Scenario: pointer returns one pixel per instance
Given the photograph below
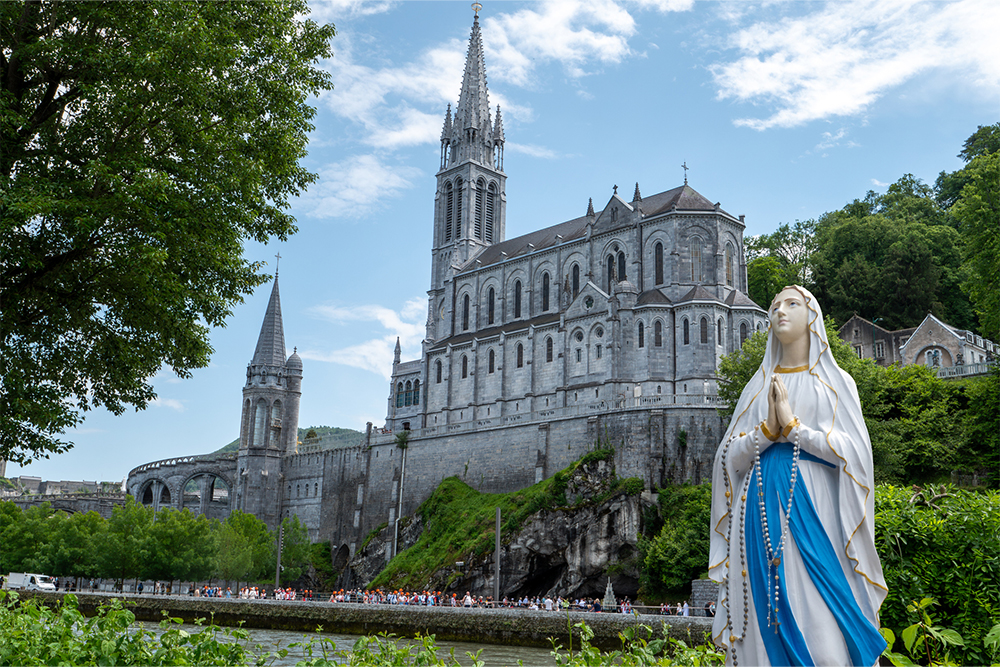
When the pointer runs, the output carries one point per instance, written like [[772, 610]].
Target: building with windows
[[636, 300], [934, 343]]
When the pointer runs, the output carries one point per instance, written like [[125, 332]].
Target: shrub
[[945, 547]]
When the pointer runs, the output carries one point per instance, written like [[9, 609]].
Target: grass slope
[[342, 437], [459, 522]]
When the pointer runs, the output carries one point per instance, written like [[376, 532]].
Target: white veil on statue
[[831, 406]]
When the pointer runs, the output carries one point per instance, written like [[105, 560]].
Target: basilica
[[634, 300]]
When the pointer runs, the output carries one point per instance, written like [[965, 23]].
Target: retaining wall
[[486, 626]]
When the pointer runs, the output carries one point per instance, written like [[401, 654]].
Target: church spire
[[271, 342], [471, 136]]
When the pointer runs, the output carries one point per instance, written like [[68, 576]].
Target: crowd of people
[[414, 598]]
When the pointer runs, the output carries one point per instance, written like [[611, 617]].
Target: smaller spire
[[498, 128], [446, 130], [590, 208], [637, 196], [396, 355]]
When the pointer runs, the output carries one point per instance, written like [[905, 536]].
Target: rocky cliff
[[588, 532]]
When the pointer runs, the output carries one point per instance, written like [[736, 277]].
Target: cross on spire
[[685, 168], [277, 261]]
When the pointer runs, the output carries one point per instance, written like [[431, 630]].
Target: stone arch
[[206, 492]]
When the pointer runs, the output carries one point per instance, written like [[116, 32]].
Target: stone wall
[[487, 626]]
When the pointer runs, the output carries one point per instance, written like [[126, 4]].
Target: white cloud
[[840, 59], [574, 33], [531, 150], [356, 187], [879, 183], [171, 403], [329, 11], [375, 354]]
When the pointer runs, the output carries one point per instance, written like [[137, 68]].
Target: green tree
[[70, 547], [181, 545], [978, 213], [141, 146], [295, 553], [984, 141], [246, 548], [894, 256], [124, 552], [765, 278]]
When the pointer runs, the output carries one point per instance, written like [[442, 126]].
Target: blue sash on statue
[[787, 646]]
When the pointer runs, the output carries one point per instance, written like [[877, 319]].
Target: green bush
[[678, 553], [946, 548]]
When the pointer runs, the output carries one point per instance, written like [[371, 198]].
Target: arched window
[[642, 335], [449, 207], [259, 424], [576, 280], [399, 395], [743, 332], [491, 297], [408, 394], [491, 199], [438, 371], [621, 267], [492, 362], [611, 272], [696, 259], [718, 338], [658, 263], [458, 208], [520, 355], [704, 330], [465, 366], [480, 195], [687, 332], [517, 299], [658, 333], [545, 292], [416, 392], [548, 349], [465, 313], [729, 265]]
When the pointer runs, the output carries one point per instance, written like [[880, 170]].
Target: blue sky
[[781, 110]]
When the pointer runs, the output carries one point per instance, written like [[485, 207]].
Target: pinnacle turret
[[637, 196], [446, 130], [498, 127], [590, 208]]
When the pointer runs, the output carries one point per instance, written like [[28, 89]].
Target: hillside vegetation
[[339, 437]]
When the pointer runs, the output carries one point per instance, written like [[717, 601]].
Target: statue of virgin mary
[[793, 544]]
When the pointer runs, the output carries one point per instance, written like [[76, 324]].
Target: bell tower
[[470, 203], [270, 424]]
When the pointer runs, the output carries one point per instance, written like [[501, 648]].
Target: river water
[[493, 655]]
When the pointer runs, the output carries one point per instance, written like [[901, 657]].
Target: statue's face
[[789, 315]]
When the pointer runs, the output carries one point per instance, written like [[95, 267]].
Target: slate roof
[[517, 325], [738, 298], [652, 297], [698, 293], [271, 342], [685, 197], [543, 238]]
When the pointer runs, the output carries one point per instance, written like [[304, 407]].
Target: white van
[[27, 581]]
